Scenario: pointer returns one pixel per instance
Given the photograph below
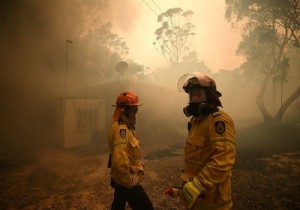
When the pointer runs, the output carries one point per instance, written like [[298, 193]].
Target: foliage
[[105, 39], [173, 39], [281, 72], [134, 70], [105, 49], [102, 48], [270, 29]]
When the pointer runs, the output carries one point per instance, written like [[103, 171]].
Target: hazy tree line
[[271, 33], [270, 39], [98, 48]]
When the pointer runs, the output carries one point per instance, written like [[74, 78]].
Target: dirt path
[[266, 174], [59, 179]]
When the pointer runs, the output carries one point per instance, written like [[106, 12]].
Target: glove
[[173, 192], [136, 179], [191, 191]]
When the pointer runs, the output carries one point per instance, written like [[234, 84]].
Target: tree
[[270, 29], [173, 39], [136, 70], [106, 48]]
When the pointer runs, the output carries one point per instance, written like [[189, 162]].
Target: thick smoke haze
[[33, 38], [59, 82], [33, 56]]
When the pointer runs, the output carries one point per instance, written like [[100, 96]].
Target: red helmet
[[126, 98]]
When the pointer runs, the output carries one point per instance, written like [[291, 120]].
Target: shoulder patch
[[220, 127], [123, 133]]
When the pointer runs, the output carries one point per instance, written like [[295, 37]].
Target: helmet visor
[[183, 80]]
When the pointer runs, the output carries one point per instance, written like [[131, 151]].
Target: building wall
[[84, 119]]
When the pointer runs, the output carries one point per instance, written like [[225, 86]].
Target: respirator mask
[[196, 109], [198, 104]]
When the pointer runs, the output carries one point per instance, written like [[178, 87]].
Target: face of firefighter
[[197, 104], [132, 111], [197, 95]]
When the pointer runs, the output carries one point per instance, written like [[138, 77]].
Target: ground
[[265, 176]]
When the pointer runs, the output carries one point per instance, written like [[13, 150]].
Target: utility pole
[[68, 41]]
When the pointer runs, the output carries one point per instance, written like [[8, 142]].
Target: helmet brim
[[184, 80], [115, 105]]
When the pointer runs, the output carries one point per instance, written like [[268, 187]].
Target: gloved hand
[[191, 191], [173, 192], [136, 179]]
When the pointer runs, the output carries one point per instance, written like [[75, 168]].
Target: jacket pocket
[[194, 146]]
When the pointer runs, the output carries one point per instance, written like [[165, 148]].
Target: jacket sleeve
[[120, 160], [222, 143]]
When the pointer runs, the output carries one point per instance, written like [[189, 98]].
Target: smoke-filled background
[[56, 51], [35, 58], [52, 49]]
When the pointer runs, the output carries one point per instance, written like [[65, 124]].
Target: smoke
[[33, 37], [123, 14], [33, 61]]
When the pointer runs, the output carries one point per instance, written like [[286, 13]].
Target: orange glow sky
[[215, 40]]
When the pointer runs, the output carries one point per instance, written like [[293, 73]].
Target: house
[[78, 121], [86, 118]]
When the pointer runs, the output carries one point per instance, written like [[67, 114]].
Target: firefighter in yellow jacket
[[127, 169], [210, 147]]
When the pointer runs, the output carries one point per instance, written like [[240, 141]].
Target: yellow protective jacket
[[210, 155], [125, 153]]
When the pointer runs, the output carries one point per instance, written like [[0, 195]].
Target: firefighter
[[127, 169], [209, 149]]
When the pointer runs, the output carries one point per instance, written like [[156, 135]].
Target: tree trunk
[[286, 104], [260, 99]]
